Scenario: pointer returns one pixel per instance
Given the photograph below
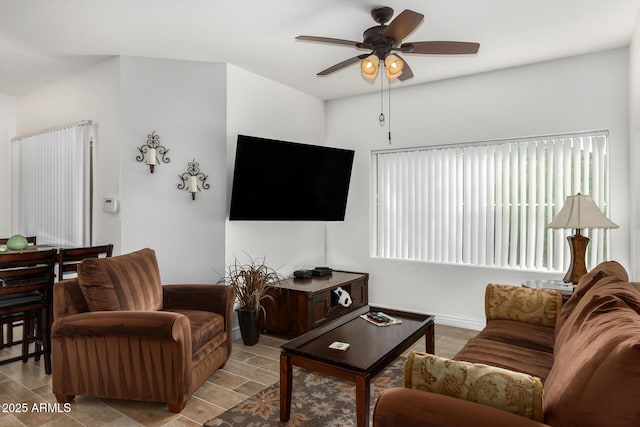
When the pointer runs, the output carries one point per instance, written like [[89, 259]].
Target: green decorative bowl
[[17, 242]]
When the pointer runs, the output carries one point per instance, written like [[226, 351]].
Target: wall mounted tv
[[285, 181]]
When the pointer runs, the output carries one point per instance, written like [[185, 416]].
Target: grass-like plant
[[251, 281]]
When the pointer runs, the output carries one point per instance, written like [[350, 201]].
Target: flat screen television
[[285, 181]]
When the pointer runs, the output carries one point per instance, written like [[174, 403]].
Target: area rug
[[316, 401]]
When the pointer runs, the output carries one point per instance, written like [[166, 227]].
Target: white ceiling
[[44, 40]]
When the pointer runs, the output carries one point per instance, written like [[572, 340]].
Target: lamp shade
[[393, 67], [580, 211], [369, 67]]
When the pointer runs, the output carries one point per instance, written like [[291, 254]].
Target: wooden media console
[[301, 305]]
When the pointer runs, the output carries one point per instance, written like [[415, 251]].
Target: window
[[52, 185], [487, 204]]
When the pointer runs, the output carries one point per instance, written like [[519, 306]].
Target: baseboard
[[441, 319], [459, 322], [235, 333]]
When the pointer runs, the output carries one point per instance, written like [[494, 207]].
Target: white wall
[[634, 150], [93, 94], [127, 98], [7, 131], [261, 107], [185, 103], [569, 95]]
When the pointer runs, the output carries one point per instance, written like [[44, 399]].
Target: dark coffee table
[[372, 348]]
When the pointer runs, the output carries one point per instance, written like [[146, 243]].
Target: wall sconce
[[189, 179], [149, 152]]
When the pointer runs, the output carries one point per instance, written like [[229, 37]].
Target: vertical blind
[[51, 185], [488, 204]]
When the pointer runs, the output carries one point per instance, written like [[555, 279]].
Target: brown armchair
[[118, 333]]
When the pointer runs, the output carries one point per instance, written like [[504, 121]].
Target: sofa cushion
[[520, 334], [510, 391], [595, 377], [125, 282], [535, 306], [205, 326], [520, 359]]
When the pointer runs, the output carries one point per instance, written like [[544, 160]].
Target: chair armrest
[[510, 391], [529, 305], [215, 298], [399, 407], [139, 324], [68, 299], [144, 355]]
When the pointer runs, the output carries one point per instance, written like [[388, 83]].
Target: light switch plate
[[110, 204]]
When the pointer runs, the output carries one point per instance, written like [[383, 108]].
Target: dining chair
[[68, 259], [26, 280], [10, 322], [14, 321]]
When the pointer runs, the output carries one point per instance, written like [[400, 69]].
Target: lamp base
[[578, 246]]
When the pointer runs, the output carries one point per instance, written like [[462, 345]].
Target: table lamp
[[579, 212]]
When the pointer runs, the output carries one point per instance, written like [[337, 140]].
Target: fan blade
[[406, 70], [403, 25], [440, 48], [342, 64], [330, 40]]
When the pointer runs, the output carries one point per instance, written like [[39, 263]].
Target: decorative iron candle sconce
[[190, 179], [150, 151]]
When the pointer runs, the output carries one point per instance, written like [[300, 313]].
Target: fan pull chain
[[389, 104], [381, 117]]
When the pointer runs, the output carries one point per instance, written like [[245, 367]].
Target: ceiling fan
[[385, 40]]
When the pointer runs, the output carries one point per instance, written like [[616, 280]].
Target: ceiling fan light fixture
[[393, 67], [388, 37], [369, 67]]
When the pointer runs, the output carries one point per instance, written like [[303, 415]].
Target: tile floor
[[248, 370]]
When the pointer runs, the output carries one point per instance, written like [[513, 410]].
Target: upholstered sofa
[[118, 333], [535, 363]]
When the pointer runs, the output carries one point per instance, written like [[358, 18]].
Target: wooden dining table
[[29, 248]]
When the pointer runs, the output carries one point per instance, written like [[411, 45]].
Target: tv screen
[[286, 181]]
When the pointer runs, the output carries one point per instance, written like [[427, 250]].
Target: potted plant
[[251, 281]]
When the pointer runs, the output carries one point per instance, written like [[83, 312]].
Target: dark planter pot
[[250, 325]]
